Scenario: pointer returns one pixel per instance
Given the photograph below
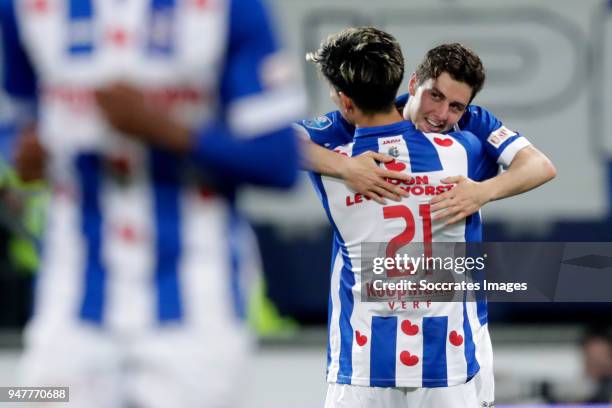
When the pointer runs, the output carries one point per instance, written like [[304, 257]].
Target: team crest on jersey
[[320, 123], [394, 151], [500, 136]]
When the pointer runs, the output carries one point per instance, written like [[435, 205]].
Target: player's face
[[436, 105]]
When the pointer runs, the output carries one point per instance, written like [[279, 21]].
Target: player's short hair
[[460, 62], [364, 63]]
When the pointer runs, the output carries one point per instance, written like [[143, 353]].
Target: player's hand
[[467, 197], [126, 109], [362, 174], [30, 156]]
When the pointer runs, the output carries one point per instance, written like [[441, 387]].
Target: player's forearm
[[267, 160], [321, 160], [529, 169]]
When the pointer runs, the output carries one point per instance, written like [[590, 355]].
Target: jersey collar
[[394, 128]]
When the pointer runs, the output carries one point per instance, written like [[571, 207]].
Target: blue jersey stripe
[[423, 154], [474, 251], [435, 331], [470, 347], [383, 351], [236, 265], [161, 35], [80, 18], [166, 208], [330, 308], [473, 233], [89, 173], [345, 292], [364, 144], [473, 228]]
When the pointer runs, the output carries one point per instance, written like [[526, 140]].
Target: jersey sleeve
[[252, 140], [259, 89], [500, 143], [480, 166], [330, 130]]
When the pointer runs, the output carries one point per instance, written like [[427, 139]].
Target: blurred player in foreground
[[338, 59], [436, 98], [140, 107]]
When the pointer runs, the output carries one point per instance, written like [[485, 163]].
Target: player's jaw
[[426, 116], [429, 124]]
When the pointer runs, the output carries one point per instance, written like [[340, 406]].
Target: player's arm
[[361, 173], [527, 168], [19, 82], [251, 141]]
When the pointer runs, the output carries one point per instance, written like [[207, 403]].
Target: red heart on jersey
[[361, 338], [118, 37], [38, 6], [120, 165], [395, 166], [127, 233], [409, 328], [443, 142], [455, 338], [407, 359]]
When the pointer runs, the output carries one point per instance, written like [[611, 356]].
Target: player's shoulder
[[479, 121], [476, 111], [327, 130], [464, 135], [320, 123], [468, 140]]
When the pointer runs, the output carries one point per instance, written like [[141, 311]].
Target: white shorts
[[354, 396], [168, 367], [485, 379]]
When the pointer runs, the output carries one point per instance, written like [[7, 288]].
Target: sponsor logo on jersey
[[394, 140], [320, 123], [500, 136]]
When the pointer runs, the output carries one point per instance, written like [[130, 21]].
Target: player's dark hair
[[364, 63], [460, 62]]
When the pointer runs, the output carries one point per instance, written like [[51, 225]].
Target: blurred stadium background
[[549, 76]]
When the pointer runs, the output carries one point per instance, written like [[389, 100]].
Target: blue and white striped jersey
[[400, 344], [138, 236]]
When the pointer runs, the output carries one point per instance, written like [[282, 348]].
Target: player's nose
[[441, 113]]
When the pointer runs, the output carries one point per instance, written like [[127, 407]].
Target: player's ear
[[412, 84], [347, 103]]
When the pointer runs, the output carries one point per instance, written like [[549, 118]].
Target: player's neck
[[378, 119]]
